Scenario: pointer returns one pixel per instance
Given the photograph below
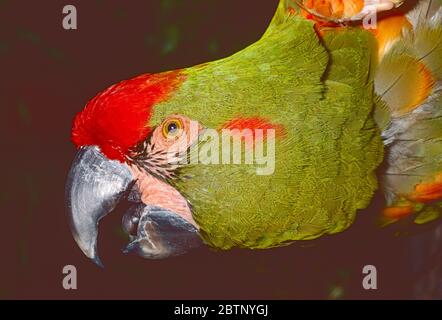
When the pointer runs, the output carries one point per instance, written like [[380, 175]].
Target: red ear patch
[[117, 118], [253, 123]]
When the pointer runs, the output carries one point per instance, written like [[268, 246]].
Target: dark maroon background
[[48, 74]]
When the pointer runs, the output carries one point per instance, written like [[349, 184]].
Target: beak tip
[[91, 253], [98, 262]]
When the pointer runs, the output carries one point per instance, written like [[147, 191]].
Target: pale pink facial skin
[[158, 192]]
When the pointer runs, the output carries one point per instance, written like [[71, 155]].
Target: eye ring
[[172, 128]]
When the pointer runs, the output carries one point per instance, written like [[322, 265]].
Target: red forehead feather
[[254, 123], [117, 118]]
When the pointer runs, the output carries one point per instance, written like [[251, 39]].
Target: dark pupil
[[172, 127]]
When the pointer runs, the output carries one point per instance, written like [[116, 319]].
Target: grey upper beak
[[94, 187]]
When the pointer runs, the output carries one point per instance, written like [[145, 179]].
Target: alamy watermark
[[69, 21], [255, 147], [368, 14], [70, 277], [370, 281]]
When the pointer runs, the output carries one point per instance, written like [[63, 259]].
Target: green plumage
[[322, 94]]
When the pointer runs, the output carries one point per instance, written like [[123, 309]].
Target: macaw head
[[134, 141], [121, 151]]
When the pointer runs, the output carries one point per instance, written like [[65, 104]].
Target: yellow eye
[[172, 128]]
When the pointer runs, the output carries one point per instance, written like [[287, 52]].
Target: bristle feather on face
[[161, 155], [117, 119]]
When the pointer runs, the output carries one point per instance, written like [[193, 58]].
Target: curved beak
[[94, 187]]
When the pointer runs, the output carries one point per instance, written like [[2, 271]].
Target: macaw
[[346, 111]]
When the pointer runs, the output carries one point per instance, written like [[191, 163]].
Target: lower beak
[[95, 186]]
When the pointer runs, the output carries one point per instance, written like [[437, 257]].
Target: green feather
[[325, 163]]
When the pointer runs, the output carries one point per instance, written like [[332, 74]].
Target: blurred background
[[48, 74]]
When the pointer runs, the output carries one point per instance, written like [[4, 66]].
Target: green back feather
[[324, 165]]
